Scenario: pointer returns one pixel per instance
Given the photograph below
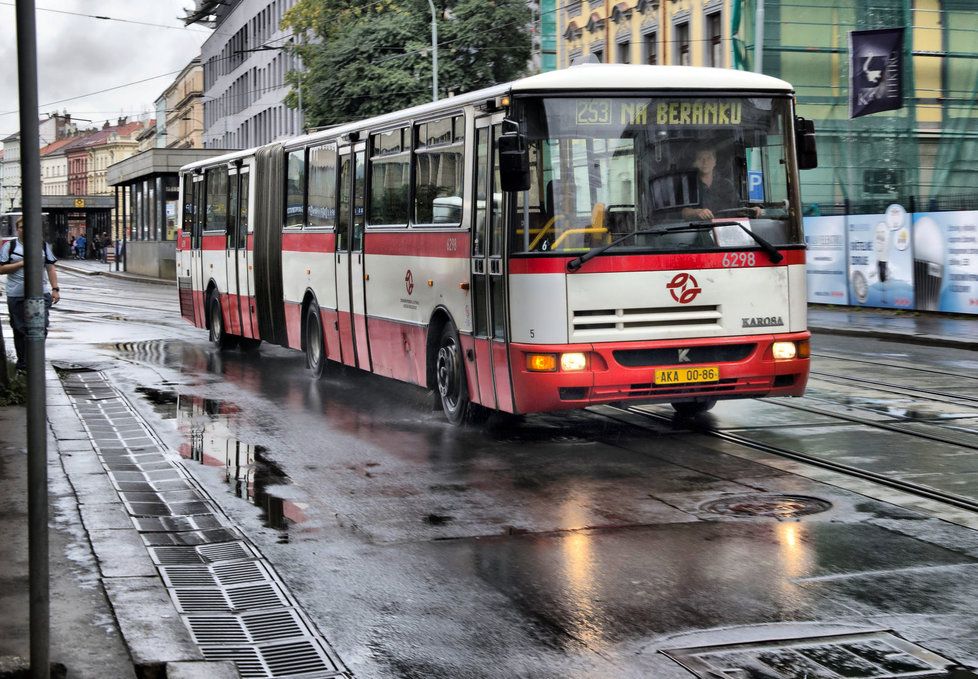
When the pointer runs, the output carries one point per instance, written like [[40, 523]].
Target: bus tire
[[691, 408], [453, 389], [218, 333], [315, 346]]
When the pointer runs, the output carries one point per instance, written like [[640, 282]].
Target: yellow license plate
[[703, 373]]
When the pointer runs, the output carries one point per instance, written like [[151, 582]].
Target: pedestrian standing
[[12, 264], [104, 247], [80, 244], [71, 246]]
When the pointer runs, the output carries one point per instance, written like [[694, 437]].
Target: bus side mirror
[[514, 163], [805, 144]]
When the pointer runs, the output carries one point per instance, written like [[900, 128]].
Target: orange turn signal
[[541, 363], [804, 349]]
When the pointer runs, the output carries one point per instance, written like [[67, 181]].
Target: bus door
[[350, 222], [196, 251], [239, 278], [358, 292], [489, 326], [232, 299]]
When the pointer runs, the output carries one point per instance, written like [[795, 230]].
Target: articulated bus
[[542, 245]]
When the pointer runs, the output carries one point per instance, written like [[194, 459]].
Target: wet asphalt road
[[557, 546]]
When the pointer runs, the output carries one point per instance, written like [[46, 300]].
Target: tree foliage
[[365, 59]]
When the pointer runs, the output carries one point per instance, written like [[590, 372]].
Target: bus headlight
[[573, 362], [784, 351], [541, 363]]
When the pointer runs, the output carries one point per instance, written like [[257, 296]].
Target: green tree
[[365, 59]]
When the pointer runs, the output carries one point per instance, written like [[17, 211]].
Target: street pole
[[434, 53], [759, 38], [37, 482]]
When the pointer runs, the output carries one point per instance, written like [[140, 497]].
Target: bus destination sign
[[677, 112]]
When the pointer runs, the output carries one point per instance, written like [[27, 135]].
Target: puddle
[[207, 426]]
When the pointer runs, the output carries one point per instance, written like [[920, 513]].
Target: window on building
[[295, 189], [682, 44], [714, 40], [438, 172], [598, 54], [322, 186], [625, 52], [390, 177], [650, 48]]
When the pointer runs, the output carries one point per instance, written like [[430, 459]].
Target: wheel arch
[[209, 291], [307, 300], [440, 317]]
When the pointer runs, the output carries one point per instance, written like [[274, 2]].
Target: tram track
[[628, 413]]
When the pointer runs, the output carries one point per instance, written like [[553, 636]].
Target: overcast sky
[[78, 56]]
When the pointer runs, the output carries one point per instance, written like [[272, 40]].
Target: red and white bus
[[547, 244]]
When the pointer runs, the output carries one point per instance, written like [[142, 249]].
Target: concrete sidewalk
[[914, 327], [105, 622], [92, 267]]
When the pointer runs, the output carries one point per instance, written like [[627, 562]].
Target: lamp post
[[434, 53], [759, 38]]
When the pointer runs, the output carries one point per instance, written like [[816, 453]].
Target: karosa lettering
[[762, 322]]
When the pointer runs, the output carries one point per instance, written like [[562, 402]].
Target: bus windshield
[[607, 166]]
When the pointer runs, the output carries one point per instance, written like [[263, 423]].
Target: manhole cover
[[775, 506], [873, 655]]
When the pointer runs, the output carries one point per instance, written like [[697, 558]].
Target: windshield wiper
[[577, 262], [770, 250]]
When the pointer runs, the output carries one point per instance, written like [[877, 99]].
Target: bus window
[[356, 244], [343, 209], [217, 199], [439, 170], [243, 226], [390, 177], [188, 204], [322, 186], [295, 189], [233, 211]]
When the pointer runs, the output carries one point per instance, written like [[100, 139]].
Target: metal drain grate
[[208, 553], [773, 506], [304, 658], [230, 600], [873, 655], [250, 628]]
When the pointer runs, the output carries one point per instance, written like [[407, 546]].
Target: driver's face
[[705, 161]]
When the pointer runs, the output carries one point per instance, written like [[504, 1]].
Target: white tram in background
[[525, 248]]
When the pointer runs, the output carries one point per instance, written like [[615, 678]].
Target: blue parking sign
[[755, 186]]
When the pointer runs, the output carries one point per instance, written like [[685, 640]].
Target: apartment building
[[244, 65]]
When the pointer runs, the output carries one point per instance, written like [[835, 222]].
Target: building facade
[[924, 155], [676, 32], [244, 65], [10, 194], [184, 109]]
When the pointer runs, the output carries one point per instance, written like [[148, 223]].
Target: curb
[[122, 275], [928, 340]]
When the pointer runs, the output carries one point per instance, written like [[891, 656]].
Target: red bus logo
[[409, 282], [683, 288]]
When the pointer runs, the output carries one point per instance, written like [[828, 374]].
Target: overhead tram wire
[[108, 18]]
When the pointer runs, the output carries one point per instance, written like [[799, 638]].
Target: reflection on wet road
[[549, 546]]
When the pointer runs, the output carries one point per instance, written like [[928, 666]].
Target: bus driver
[[715, 193]]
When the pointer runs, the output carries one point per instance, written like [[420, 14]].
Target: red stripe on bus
[[670, 262], [308, 242], [215, 242], [418, 243]]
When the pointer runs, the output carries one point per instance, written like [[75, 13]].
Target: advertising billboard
[[881, 265], [945, 246], [825, 238]]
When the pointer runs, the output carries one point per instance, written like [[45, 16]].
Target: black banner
[[875, 71]]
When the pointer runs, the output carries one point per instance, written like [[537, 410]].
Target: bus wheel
[[218, 335], [690, 408], [450, 373], [315, 347]]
